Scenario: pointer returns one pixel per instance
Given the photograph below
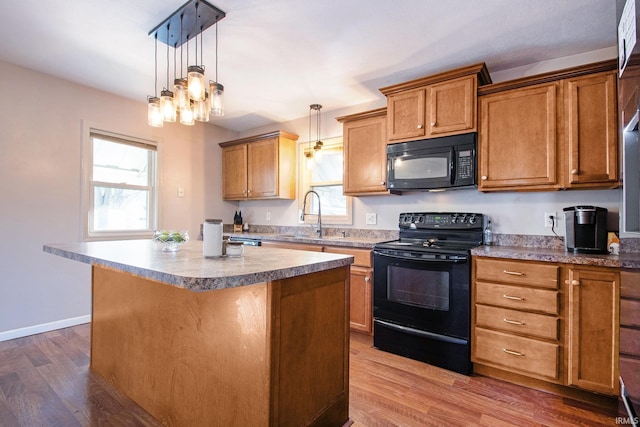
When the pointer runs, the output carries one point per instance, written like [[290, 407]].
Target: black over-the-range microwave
[[442, 163]]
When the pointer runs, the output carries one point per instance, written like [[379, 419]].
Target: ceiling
[[276, 57]]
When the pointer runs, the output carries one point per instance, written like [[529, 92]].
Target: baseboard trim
[[44, 327]]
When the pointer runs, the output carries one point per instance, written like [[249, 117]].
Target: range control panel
[[441, 220]]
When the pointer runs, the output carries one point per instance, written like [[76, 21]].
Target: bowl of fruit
[[170, 240]]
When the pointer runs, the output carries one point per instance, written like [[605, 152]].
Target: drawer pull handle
[[513, 273], [513, 322], [513, 353], [512, 297]]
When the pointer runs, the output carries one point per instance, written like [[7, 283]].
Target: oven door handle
[[420, 333], [462, 260]]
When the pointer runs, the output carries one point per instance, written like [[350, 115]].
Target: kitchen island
[[259, 340]]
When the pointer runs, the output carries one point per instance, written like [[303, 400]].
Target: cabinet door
[[518, 141], [262, 169], [365, 156], [360, 298], [593, 329], [451, 107], [591, 126], [406, 115], [234, 172]]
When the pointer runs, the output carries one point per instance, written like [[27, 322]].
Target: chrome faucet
[[304, 211]]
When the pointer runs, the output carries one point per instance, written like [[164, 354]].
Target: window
[[120, 188], [323, 174]]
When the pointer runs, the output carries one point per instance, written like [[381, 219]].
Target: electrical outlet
[[267, 216], [550, 219], [371, 218], [180, 192]]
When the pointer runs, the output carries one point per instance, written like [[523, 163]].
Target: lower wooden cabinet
[[592, 328], [360, 280], [552, 322], [361, 288]]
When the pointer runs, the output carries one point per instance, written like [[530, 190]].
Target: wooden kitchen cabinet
[[592, 328], [516, 318], [360, 288], [592, 130], [552, 325], [433, 106], [360, 280], [549, 132], [365, 152], [259, 167], [518, 144]]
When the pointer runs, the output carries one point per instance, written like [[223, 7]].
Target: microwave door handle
[[452, 166]]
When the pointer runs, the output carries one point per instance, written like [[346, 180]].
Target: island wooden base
[[270, 354]]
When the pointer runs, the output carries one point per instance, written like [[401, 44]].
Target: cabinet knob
[[244, 191], [366, 278], [433, 123], [382, 183], [575, 282], [483, 177], [574, 171], [419, 126]]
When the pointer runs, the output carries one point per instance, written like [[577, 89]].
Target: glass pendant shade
[[167, 106], [201, 109], [154, 113], [186, 116], [195, 82], [180, 94], [217, 99]]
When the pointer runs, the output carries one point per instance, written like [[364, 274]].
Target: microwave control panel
[[465, 164]]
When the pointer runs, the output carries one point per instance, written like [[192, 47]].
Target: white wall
[[40, 157], [511, 212]]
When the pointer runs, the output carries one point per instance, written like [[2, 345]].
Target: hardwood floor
[[45, 381]]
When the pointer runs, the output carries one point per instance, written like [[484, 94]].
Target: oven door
[[427, 294]]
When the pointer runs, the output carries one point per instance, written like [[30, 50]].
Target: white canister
[[212, 238]]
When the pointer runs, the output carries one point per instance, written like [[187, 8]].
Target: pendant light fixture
[[189, 98], [216, 89], [309, 151], [154, 113], [166, 96]]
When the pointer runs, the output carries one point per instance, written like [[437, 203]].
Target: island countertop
[[188, 269]]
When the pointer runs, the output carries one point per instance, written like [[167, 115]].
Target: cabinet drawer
[[535, 358], [518, 272], [535, 325], [517, 297], [361, 257], [629, 312], [630, 341], [630, 284]]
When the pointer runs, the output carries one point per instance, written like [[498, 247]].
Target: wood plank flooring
[[45, 381]]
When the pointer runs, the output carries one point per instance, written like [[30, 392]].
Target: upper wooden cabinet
[[259, 167], [518, 138], [365, 152], [438, 105], [592, 131], [549, 132]]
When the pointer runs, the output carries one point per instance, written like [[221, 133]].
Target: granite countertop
[[350, 241], [187, 268], [625, 260]]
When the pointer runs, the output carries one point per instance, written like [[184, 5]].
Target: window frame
[[88, 185], [304, 184]]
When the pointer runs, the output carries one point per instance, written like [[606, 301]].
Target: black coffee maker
[[586, 229]]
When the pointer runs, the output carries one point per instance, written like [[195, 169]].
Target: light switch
[[180, 192]]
